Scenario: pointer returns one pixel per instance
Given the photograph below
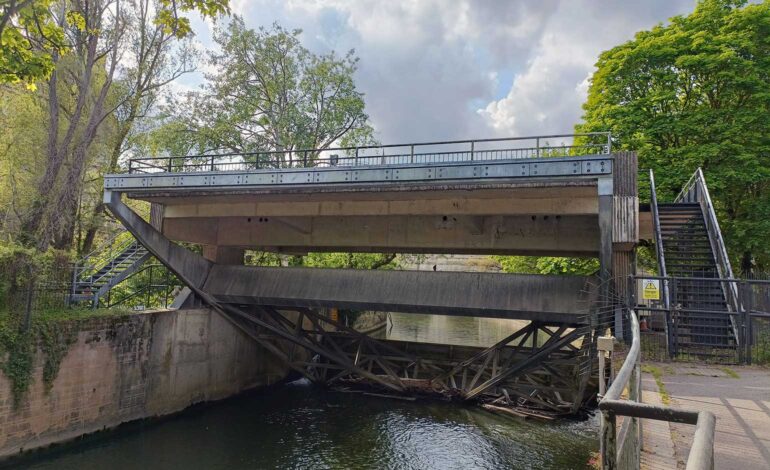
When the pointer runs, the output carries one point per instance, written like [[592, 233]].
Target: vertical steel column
[[671, 314], [748, 334]]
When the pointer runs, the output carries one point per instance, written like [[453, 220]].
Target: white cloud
[[433, 69], [547, 96]]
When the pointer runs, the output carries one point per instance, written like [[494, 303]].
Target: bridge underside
[[523, 217]]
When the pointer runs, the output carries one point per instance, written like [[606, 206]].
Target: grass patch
[[657, 374], [730, 373]]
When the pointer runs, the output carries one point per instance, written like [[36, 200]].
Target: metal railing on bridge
[[543, 146], [621, 445]]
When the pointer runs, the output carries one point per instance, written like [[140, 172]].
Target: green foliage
[[52, 337], [268, 93], [696, 93], [325, 260], [28, 37], [349, 260], [548, 265], [20, 266], [169, 16], [30, 34]]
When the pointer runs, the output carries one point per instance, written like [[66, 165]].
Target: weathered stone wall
[[135, 366]]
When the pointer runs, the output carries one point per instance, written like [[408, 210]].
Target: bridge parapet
[[488, 159], [421, 153]]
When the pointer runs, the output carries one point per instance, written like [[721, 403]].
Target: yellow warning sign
[[651, 289]]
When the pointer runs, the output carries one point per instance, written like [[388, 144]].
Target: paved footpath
[[738, 396]]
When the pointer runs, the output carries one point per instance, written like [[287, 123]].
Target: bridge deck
[[558, 299]]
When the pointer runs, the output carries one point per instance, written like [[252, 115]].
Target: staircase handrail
[[86, 263], [659, 253], [658, 237], [696, 190]]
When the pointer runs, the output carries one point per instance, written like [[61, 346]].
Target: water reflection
[[303, 427], [447, 329]]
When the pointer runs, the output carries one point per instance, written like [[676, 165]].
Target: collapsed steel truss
[[540, 366]]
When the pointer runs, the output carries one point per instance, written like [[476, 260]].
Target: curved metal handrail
[[701, 455]]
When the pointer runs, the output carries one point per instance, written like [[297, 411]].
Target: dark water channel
[[300, 426]]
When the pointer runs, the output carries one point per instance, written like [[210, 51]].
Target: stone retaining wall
[[131, 367]]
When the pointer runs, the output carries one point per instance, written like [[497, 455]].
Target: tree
[[92, 96], [30, 35], [548, 265], [158, 58], [696, 92], [268, 93]]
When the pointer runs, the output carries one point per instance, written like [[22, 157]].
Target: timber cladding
[[625, 201]]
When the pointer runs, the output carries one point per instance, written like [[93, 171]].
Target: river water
[[300, 426]]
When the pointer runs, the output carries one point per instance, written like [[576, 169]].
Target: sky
[[462, 69]]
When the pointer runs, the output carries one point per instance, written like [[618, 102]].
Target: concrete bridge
[[502, 196]]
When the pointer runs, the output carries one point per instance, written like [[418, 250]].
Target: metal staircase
[[692, 254], [103, 269]]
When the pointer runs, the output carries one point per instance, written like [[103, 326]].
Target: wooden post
[[605, 242], [608, 444]]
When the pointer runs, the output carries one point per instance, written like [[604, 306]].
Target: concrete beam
[[555, 235], [567, 205], [560, 299], [223, 254]]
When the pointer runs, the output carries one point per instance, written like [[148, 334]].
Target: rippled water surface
[[301, 426], [448, 329]]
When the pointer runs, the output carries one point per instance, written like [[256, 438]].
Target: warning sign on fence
[[651, 289]]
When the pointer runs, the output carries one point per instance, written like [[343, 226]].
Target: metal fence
[[151, 286], [621, 439], [692, 320], [594, 143]]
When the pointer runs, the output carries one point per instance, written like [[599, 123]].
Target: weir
[[468, 197]]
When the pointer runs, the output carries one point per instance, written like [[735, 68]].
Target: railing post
[[411, 154], [609, 448], [356, 160], [473, 149], [746, 291], [130, 165], [671, 339], [537, 147], [212, 163], [169, 164]]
